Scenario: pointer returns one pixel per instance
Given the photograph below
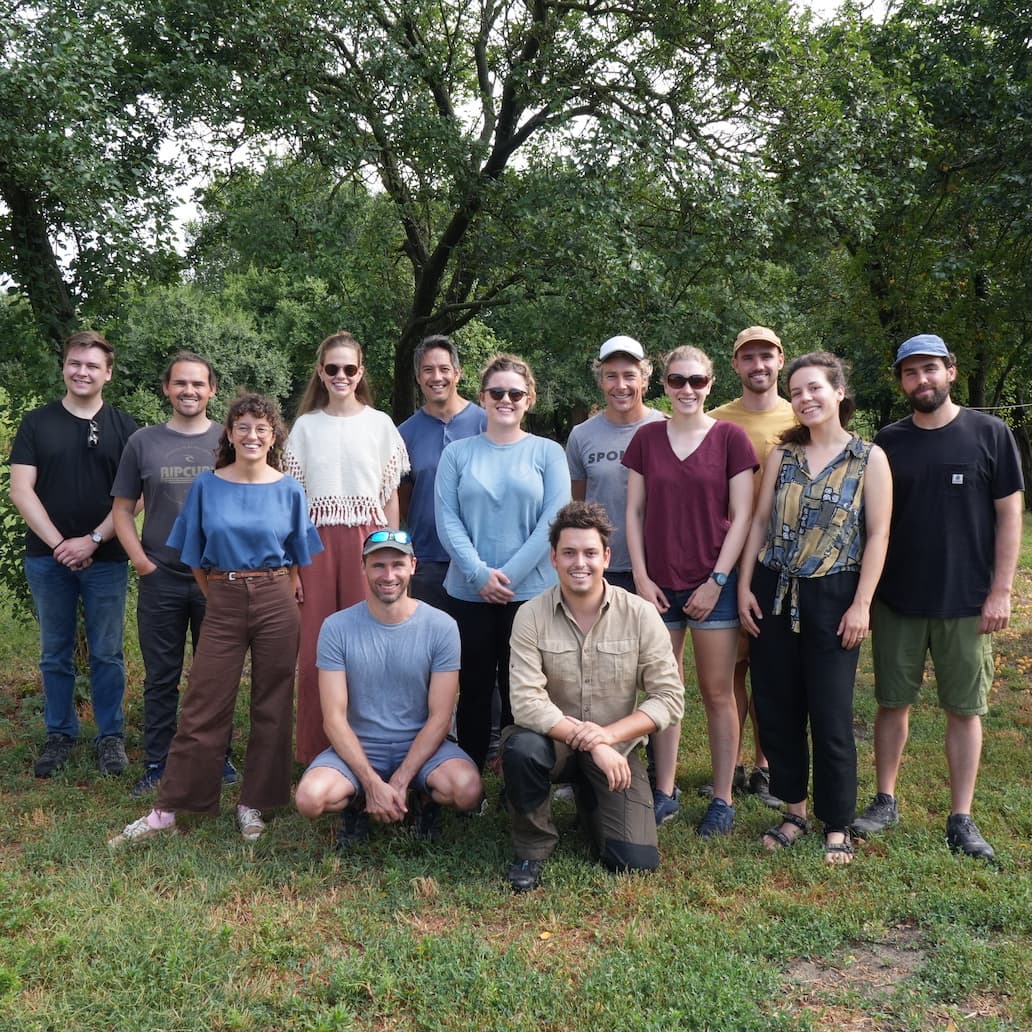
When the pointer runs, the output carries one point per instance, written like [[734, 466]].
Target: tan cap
[[756, 333]]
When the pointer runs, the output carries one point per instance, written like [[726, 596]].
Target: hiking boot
[[717, 820], [230, 776], [426, 818], [666, 806], [138, 831], [250, 822], [525, 875], [963, 836], [152, 775], [354, 830], [738, 783], [111, 757], [882, 812], [56, 750], [759, 785]]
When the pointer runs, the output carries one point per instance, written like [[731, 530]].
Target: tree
[[444, 101]]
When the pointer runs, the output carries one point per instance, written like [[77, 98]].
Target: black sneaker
[[152, 775], [963, 836], [882, 812], [111, 757], [230, 775], [354, 830], [426, 818], [55, 754], [759, 785], [525, 875]]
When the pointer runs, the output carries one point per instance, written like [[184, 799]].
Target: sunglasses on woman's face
[[514, 393], [331, 369], [696, 381]]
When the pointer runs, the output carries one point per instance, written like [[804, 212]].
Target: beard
[[929, 401]]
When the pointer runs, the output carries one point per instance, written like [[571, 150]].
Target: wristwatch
[[96, 538], [720, 578]]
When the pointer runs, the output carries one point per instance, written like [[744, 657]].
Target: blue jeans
[[55, 591]]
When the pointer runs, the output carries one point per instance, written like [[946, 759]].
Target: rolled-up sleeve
[[658, 676], [531, 706]]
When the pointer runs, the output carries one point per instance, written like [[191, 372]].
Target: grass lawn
[[202, 931]]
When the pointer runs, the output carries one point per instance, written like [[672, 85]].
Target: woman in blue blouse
[[244, 531], [495, 495]]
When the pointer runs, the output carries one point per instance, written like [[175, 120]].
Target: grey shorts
[[386, 757]]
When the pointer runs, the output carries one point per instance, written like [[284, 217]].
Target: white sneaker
[[251, 824], [137, 832]]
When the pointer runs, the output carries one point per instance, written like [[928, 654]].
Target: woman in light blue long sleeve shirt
[[495, 495]]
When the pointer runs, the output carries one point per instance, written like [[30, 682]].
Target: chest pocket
[[560, 659], [957, 481], [616, 664]]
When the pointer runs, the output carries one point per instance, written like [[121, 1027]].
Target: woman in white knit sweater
[[350, 459]]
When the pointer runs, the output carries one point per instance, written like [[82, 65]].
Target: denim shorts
[[723, 615]]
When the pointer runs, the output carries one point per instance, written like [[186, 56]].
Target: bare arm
[[740, 504], [392, 511], [877, 502], [404, 497], [383, 801], [76, 552], [748, 608], [578, 490], [444, 690], [997, 606], [646, 588], [123, 516]]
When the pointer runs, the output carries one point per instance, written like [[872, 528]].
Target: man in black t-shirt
[[63, 463], [953, 549]]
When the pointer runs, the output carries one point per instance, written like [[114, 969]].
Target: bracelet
[[58, 545]]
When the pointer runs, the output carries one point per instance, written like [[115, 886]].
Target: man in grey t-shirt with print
[[388, 680]]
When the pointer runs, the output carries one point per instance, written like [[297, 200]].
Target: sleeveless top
[[816, 522]]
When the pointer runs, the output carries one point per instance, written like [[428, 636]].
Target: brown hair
[[88, 339], [316, 395], [261, 407], [837, 373], [506, 363], [580, 516], [189, 356]]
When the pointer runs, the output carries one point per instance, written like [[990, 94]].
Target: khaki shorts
[[963, 660]]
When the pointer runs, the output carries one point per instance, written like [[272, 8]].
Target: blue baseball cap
[[922, 344]]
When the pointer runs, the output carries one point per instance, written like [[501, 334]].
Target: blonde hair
[[316, 395], [506, 363], [686, 353]]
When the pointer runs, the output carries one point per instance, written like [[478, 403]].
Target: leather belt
[[234, 575]]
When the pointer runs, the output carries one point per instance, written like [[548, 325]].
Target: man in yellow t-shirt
[[757, 357]]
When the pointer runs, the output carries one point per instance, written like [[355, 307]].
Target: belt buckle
[[231, 575]]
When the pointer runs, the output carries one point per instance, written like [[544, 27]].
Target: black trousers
[[484, 630], [807, 678]]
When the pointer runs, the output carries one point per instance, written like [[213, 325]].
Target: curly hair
[[580, 516], [260, 407]]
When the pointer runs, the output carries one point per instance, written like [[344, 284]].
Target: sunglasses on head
[[514, 393], [696, 381], [379, 537], [331, 369]]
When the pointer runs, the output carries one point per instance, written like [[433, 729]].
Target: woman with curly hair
[[244, 531], [349, 458]]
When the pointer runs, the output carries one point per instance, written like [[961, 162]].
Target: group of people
[[542, 593]]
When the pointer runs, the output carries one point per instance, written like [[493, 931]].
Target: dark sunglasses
[[696, 381], [93, 434], [514, 393], [331, 369], [379, 537]]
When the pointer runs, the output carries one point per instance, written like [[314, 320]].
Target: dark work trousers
[[484, 630], [260, 615], [807, 678], [168, 606], [622, 825], [427, 585]]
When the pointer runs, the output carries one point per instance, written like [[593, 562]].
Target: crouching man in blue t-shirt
[[388, 681]]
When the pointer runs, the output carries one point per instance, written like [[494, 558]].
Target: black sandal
[[782, 840], [843, 848]]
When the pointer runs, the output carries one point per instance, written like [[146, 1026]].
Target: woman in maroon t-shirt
[[689, 502]]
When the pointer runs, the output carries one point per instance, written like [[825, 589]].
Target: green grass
[[204, 932]]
